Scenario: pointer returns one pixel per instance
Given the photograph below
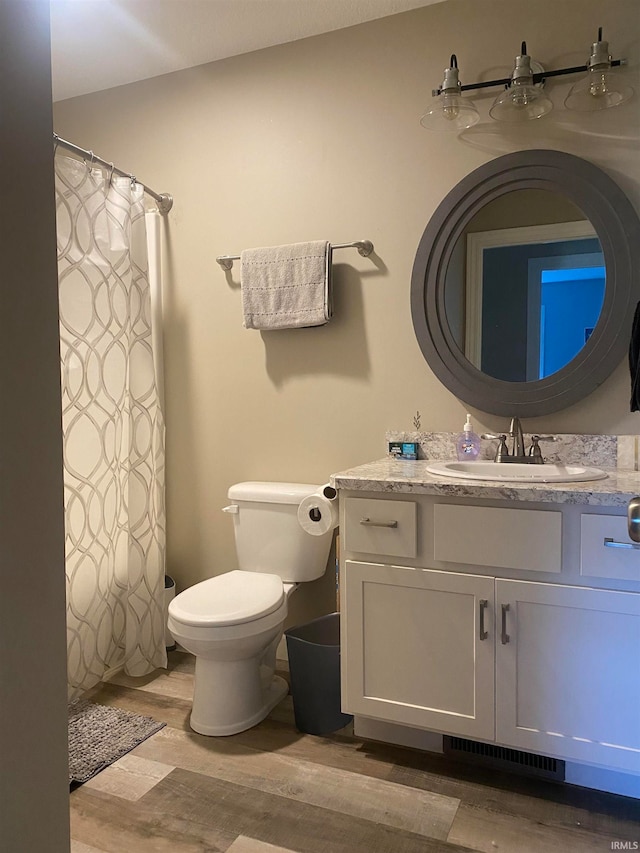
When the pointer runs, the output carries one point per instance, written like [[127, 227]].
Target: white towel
[[286, 287]]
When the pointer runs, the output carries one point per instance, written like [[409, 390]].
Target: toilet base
[[275, 693]]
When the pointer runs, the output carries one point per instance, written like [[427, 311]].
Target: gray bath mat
[[99, 735]]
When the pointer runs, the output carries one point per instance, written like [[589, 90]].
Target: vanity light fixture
[[524, 97], [601, 88], [451, 111]]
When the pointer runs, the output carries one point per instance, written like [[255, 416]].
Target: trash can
[[314, 665], [169, 594]]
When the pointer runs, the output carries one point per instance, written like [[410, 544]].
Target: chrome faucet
[[517, 439], [518, 453]]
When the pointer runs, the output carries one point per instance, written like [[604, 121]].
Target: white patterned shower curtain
[[113, 429]]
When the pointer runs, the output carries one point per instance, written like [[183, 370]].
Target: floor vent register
[[503, 758]]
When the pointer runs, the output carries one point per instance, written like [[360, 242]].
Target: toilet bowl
[[233, 622]]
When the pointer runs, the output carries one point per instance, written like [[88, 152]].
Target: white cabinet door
[[568, 672], [418, 647]]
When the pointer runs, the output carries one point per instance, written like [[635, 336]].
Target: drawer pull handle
[[483, 606], [378, 523], [505, 637], [611, 543]]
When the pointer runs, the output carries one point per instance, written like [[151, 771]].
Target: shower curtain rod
[[165, 201]]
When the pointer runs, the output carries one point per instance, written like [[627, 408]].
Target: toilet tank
[[268, 535]]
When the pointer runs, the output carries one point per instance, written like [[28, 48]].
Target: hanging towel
[[287, 287], [634, 361]]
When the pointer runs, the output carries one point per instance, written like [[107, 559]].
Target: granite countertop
[[412, 477]]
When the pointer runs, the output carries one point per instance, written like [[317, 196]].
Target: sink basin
[[514, 472]]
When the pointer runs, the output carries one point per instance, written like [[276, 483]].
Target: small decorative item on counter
[[468, 443], [403, 449]]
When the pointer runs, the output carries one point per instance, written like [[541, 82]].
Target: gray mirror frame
[[618, 227]]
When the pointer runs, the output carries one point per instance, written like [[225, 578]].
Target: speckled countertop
[[412, 477]]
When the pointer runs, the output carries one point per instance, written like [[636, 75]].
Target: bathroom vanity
[[503, 613]]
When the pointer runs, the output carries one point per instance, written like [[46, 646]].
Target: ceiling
[[98, 44]]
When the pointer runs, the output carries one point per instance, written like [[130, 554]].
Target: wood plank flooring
[[273, 789]]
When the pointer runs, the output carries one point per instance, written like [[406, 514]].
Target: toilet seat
[[233, 598]]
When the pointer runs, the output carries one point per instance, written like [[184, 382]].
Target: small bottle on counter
[[468, 443]]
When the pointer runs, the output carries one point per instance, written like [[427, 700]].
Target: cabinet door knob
[[483, 606], [378, 523], [633, 519], [504, 637]]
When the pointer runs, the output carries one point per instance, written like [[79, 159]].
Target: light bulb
[[451, 107], [520, 102], [450, 112], [599, 90]]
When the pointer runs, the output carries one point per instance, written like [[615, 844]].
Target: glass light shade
[[521, 102], [598, 90], [450, 112]]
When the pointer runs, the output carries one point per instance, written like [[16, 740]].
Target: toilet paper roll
[[318, 515]]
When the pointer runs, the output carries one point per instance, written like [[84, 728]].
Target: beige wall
[[34, 815], [321, 139]]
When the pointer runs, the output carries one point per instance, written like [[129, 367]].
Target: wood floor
[[273, 789]]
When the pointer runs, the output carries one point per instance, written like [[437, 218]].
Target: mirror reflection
[[525, 285]]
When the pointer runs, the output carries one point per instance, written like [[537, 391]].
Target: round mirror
[[522, 295]]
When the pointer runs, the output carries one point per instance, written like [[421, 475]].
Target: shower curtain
[[113, 429]]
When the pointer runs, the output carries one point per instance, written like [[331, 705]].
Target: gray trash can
[[169, 595], [314, 665]]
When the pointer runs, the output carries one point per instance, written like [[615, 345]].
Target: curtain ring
[[134, 181], [89, 165], [111, 174]]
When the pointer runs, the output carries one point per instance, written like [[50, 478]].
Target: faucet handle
[[534, 451], [502, 450]]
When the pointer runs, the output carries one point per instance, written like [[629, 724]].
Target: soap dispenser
[[468, 443]]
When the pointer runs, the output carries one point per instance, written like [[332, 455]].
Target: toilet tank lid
[[278, 493]]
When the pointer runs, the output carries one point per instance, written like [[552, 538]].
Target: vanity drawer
[[524, 539], [606, 550], [380, 527]]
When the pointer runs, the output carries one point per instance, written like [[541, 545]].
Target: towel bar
[[364, 247]]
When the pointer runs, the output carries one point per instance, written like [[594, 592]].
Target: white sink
[[514, 472]]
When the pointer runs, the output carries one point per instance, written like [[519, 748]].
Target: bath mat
[[99, 735]]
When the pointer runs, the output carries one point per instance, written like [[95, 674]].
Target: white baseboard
[[584, 775], [368, 729], [602, 779]]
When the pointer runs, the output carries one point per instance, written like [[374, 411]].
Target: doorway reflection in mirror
[[525, 286]]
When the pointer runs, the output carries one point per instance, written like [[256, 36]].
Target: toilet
[[233, 622]]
